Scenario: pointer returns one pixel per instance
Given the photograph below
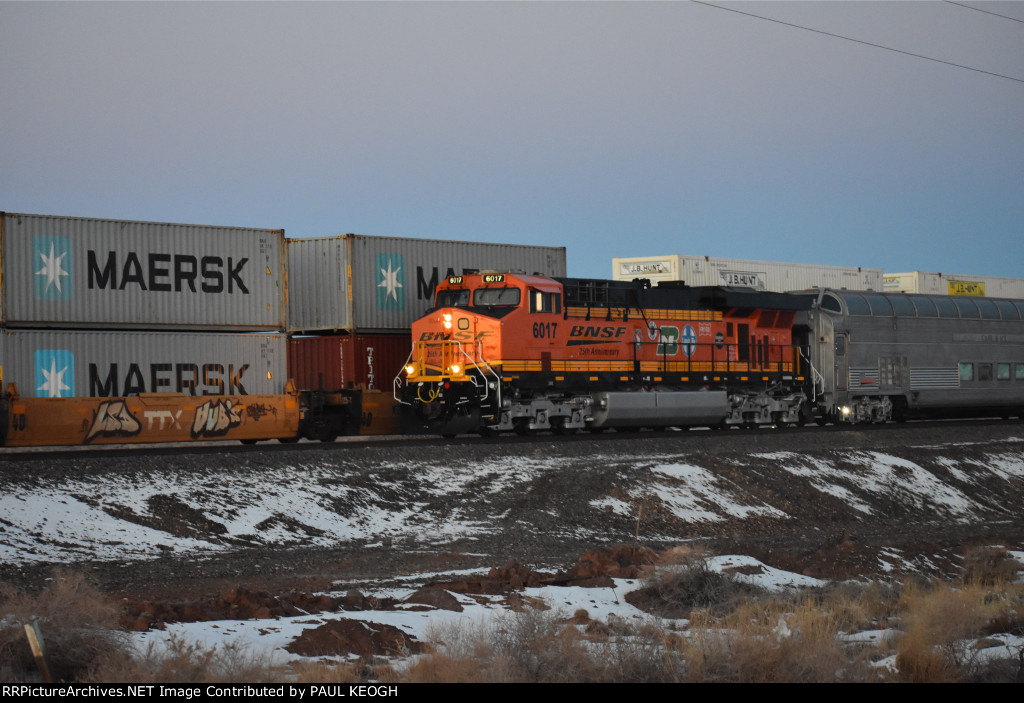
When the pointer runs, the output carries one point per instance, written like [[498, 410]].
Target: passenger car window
[[1002, 372], [856, 304], [901, 305], [988, 309], [966, 372], [1007, 310], [879, 305], [945, 307], [925, 307], [966, 307]]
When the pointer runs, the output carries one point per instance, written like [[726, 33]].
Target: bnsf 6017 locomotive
[[503, 351]]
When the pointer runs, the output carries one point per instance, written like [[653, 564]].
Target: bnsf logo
[[597, 332]]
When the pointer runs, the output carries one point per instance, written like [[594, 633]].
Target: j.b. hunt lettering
[[166, 272], [188, 378]]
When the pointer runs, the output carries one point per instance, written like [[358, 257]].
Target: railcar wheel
[[288, 440], [248, 441], [522, 428]]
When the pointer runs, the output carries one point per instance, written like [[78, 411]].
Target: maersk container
[[760, 275], [113, 274], [954, 284], [382, 284], [75, 363], [347, 361]]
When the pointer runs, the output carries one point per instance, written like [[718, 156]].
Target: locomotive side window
[[966, 372], [1018, 372], [1002, 372], [545, 302], [984, 372], [496, 297]]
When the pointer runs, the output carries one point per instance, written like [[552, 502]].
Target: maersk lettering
[[163, 272], [596, 332], [190, 379], [425, 286]]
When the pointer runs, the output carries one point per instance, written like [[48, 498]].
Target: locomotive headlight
[[846, 410], [456, 368], [447, 321], [410, 370]]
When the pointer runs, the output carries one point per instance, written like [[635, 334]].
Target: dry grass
[[78, 624], [733, 635]]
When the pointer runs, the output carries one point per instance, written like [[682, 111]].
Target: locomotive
[[505, 351]]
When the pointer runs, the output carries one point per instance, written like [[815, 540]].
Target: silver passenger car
[[883, 356]]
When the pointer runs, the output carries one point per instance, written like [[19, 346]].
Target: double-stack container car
[[122, 331], [353, 300]]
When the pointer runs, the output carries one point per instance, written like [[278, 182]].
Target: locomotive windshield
[[496, 297], [453, 298]]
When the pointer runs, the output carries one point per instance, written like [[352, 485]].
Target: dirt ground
[[806, 500]]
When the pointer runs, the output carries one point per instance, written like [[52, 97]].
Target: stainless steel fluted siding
[[389, 280], [75, 363], [142, 275], [318, 294]]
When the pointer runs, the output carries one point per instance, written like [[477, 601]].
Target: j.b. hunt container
[[383, 284], [760, 275], [111, 274], [74, 363]]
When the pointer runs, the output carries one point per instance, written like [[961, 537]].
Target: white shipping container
[[954, 284], [75, 363], [760, 275], [382, 284], [113, 274]]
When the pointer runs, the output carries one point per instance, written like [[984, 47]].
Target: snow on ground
[[479, 612]]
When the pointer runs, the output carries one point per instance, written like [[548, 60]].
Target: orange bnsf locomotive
[[503, 351]]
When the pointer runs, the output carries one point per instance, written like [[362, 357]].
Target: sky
[[613, 129]]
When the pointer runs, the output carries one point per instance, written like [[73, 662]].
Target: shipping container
[[760, 275], [382, 284], [74, 363], [954, 284], [112, 274], [348, 361]]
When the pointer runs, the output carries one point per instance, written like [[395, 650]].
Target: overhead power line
[[987, 12], [859, 41]]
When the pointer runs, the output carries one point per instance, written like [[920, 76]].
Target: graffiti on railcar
[[215, 417], [257, 411], [113, 419]]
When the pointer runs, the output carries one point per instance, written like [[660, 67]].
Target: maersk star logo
[[390, 282], [55, 373], [51, 257]]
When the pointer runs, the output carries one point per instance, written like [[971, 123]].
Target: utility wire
[[860, 41], [978, 9]]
